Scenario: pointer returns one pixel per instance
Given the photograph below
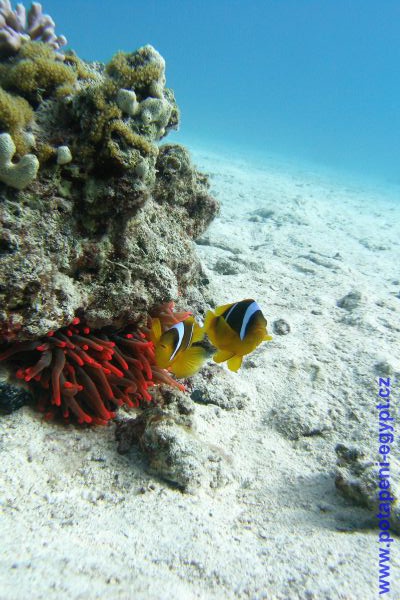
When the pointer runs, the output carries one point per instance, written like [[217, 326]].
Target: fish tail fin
[[235, 363], [156, 330], [189, 362]]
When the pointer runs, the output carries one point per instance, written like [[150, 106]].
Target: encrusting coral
[[109, 118], [127, 101], [64, 155], [17, 175]]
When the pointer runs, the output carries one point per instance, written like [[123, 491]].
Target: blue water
[[313, 80]]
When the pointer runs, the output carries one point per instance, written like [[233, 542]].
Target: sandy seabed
[[79, 521]]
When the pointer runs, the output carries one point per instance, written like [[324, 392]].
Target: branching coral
[[86, 375], [16, 27]]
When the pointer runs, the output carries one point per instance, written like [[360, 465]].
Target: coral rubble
[[166, 433], [358, 478], [96, 217]]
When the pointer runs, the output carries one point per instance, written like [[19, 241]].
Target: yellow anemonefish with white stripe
[[175, 349], [236, 330]]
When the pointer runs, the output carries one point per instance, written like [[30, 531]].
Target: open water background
[[308, 80]]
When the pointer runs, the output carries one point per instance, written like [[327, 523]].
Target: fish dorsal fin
[[210, 316], [209, 321], [235, 363], [189, 361], [221, 309], [156, 330]]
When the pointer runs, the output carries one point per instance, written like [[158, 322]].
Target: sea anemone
[[85, 375]]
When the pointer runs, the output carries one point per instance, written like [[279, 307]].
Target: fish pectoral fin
[[235, 363], [156, 330], [189, 362], [267, 337], [222, 355]]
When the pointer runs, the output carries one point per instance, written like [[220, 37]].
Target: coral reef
[[16, 26], [105, 226], [120, 116]]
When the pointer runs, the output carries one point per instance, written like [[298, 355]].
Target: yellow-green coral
[[40, 76], [45, 152], [96, 111], [15, 115], [129, 73], [105, 133], [122, 130], [66, 89], [35, 72], [36, 50], [79, 66], [125, 148], [15, 112]]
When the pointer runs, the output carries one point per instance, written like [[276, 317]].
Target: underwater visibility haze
[[315, 81]]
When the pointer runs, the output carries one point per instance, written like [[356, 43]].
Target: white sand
[[80, 521]]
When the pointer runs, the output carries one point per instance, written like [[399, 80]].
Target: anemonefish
[[175, 349], [236, 330]]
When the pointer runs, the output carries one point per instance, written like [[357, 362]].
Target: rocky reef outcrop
[[96, 217]]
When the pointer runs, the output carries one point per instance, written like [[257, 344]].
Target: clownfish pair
[[234, 329]]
